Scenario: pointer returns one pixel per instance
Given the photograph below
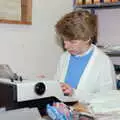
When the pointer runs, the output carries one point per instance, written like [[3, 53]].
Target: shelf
[[113, 54], [110, 52], [98, 6]]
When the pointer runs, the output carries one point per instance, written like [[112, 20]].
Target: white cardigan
[[98, 76]]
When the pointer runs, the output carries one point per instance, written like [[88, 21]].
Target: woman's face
[[76, 47]]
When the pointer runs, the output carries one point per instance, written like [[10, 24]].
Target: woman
[[83, 69]]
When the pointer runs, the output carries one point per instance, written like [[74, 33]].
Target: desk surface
[[45, 118]]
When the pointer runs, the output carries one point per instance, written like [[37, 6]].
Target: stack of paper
[[106, 106]]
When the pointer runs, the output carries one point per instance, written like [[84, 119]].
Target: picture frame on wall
[[16, 11]]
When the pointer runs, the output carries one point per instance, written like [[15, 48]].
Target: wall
[[32, 50], [109, 29]]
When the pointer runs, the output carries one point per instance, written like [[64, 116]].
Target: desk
[[45, 118]]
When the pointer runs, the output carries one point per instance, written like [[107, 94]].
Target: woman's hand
[[41, 76], [67, 90]]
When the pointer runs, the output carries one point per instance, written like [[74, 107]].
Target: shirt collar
[[87, 52]]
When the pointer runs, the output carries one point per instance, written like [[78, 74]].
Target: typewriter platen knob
[[40, 88]]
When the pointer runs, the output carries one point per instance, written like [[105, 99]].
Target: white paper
[[107, 102], [10, 9], [5, 71], [21, 114]]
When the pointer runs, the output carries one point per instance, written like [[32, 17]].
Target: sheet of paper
[[21, 114], [10, 9], [107, 102], [5, 71]]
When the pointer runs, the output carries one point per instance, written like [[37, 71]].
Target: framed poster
[[16, 11]]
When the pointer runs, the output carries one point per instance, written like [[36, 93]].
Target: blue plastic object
[[54, 114]]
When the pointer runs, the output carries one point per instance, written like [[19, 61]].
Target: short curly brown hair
[[77, 25]]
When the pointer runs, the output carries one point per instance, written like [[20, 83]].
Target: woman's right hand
[[67, 90]]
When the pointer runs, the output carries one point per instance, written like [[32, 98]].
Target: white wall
[[109, 26], [109, 29], [32, 50]]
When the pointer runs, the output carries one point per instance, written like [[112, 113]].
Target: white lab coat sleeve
[[58, 71], [83, 96], [107, 77], [62, 67]]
